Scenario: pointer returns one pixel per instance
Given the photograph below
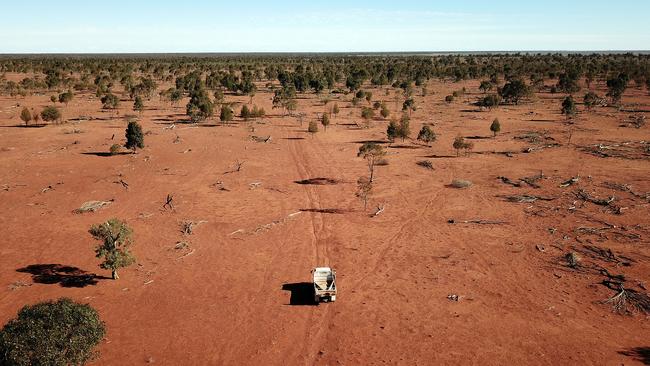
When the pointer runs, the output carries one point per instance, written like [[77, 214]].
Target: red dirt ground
[[221, 301]]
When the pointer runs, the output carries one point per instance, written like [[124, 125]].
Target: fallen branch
[[569, 182], [479, 222], [527, 198], [532, 181], [261, 139]]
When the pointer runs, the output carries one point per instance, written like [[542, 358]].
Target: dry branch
[[476, 221], [526, 198], [627, 301]]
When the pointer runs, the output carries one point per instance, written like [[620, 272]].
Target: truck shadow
[[302, 293]]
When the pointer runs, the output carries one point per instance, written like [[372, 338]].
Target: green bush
[[57, 333], [50, 114]]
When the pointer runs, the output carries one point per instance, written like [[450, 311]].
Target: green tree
[[200, 107], [569, 107], [616, 87], [335, 109], [367, 113], [368, 96], [50, 114], [409, 105], [245, 112], [489, 101], [372, 152], [391, 130], [138, 105], [134, 136], [459, 144], [226, 114], [568, 82], [313, 127], [495, 127], [486, 86], [514, 91], [66, 97], [404, 128], [427, 135], [115, 245], [384, 112], [325, 120], [591, 99], [25, 115], [110, 101], [55, 333]]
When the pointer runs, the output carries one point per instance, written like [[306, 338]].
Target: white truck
[[324, 284]]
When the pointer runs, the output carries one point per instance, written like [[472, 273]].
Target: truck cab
[[324, 284]]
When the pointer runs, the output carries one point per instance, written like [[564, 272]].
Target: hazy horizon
[[199, 26]]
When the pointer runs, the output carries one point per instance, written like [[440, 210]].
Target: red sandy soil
[[225, 304]]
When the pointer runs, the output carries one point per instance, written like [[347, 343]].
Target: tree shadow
[[410, 147], [439, 156], [324, 210], [317, 181], [641, 354], [302, 293], [41, 125], [106, 154], [65, 276]]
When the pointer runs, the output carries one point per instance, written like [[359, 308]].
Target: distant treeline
[[310, 72]]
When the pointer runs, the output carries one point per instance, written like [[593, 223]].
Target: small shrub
[[115, 149], [572, 260], [25, 115], [495, 127], [50, 114], [313, 127], [226, 114], [449, 98]]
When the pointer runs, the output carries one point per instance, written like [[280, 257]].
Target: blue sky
[[36, 26]]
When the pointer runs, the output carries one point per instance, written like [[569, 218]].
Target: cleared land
[[413, 287]]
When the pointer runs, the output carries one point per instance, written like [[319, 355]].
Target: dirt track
[[227, 299]]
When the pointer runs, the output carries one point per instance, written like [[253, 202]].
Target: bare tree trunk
[[115, 276]]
